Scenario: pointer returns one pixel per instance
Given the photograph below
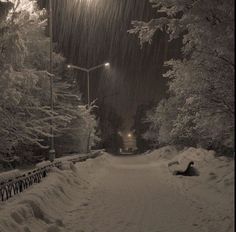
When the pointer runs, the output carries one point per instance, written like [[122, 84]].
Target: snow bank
[[197, 154], [41, 207], [214, 184], [214, 171], [5, 176], [43, 164], [213, 188], [164, 153]]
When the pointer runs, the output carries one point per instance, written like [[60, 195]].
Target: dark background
[[91, 32]]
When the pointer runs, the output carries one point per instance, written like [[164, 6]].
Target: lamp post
[[50, 17], [70, 66], [88, 87], [52, 149]]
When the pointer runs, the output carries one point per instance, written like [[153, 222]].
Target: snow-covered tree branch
[[200, 109], [25, 112]]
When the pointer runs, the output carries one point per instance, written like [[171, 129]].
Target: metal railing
[[14, 186]]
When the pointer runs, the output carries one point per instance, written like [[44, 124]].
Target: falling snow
[[148, 84]]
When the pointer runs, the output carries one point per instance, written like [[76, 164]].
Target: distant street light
[[129, 135], [70, 66]]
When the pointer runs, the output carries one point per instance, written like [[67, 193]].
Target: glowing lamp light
[[107, 64], [129, 135], [68, 66]]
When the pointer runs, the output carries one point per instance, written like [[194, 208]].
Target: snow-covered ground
[[128, 194]]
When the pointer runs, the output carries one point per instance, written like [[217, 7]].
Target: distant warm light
[[68, 66], [107, 64], [129, 135]]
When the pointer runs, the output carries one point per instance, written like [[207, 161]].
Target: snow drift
[[212, 188], [41, 207]]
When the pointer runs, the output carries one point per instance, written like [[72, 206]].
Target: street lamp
[[50, 18], [88, 70], [70, 66], [52, 150]]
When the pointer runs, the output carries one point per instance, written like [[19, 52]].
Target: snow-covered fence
[[12, 186]]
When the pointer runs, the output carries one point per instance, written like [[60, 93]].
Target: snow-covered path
[[128, 196]]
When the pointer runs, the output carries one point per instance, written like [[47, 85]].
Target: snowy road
[[127, 196]]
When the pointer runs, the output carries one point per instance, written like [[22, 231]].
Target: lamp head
[[68, 66], [107, 64]]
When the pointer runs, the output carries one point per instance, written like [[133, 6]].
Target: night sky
[[91, 32]]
